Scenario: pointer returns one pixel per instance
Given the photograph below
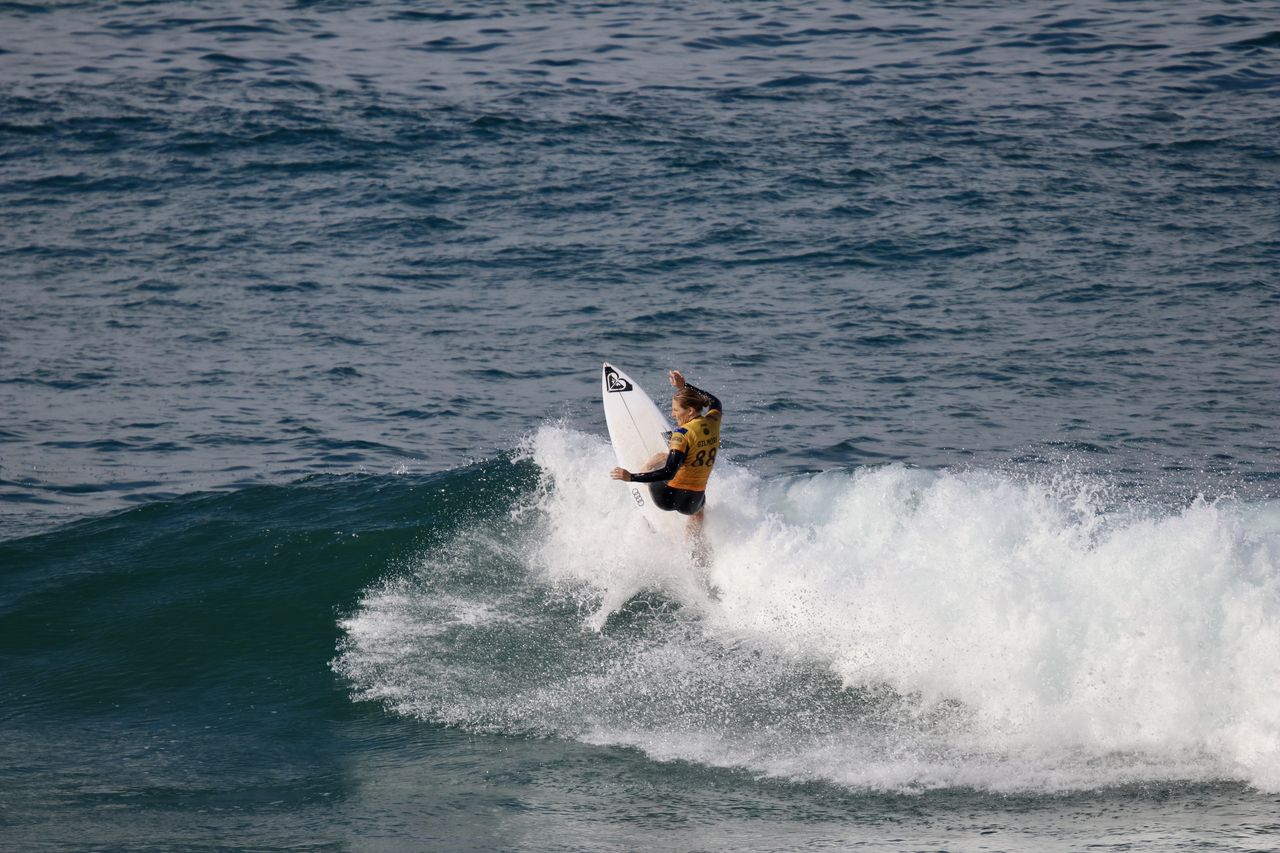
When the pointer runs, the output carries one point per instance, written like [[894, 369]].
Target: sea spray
[[885, 628]]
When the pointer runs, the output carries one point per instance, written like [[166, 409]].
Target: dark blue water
[[304, 509]]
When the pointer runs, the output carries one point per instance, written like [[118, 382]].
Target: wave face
[[887, 628]]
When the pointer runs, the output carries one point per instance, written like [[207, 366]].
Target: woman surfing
[[679, 485]]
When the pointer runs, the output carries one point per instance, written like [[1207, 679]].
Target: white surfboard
[[638, 431]]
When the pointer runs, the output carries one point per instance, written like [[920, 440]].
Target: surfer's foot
[[712, 591], [700, 559], [702, 574]]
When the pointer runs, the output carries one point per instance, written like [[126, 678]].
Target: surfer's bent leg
[[701, 548]]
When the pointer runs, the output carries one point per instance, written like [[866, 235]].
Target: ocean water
[[307, 540]]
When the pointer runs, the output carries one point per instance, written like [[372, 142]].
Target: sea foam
[[887, 628], [1126, 636]]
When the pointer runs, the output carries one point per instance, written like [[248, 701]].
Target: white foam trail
[[1081, 647]]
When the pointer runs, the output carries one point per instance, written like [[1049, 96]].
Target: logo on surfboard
[[615, 383]]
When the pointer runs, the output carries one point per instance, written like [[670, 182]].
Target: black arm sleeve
[[713, 402], [666, 472]]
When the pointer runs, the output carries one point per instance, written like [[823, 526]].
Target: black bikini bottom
[[683, 501]]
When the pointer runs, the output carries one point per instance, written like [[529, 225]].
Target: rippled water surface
[[303, 308], [247, 242]]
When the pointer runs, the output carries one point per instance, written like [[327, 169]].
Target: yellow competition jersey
[[700, 441]]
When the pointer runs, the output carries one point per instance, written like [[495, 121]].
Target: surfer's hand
[[677, 378], [621, 474]]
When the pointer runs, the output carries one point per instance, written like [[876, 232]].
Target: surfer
[[679, 485]]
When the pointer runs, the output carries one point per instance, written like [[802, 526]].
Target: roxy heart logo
[[615, 383]]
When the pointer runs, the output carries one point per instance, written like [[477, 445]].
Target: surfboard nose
[[615, 381]]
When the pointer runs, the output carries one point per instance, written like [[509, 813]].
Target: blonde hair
[[687, 398]]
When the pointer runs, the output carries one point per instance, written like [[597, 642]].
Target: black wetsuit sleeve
[[666, 472], [713, 402]]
